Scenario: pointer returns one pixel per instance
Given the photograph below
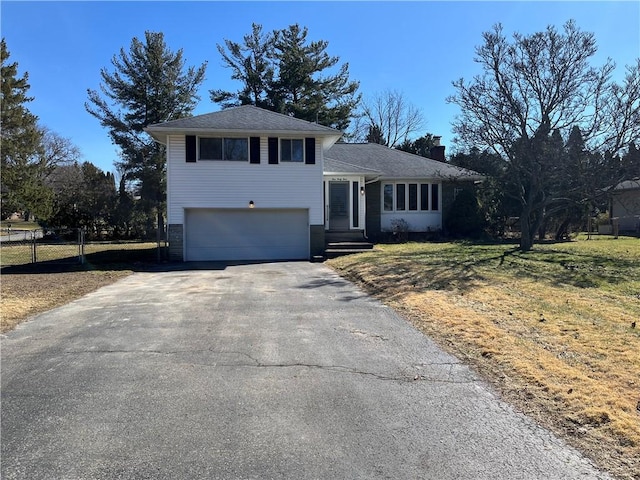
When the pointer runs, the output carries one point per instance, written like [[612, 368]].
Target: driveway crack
[[355, 371], [255, 363]]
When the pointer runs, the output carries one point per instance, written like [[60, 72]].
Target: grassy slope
[[551, 327]]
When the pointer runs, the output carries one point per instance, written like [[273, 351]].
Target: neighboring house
[[250, 184], [625, 205]]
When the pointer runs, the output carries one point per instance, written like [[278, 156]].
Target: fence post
[[34, 257], [81, 246]]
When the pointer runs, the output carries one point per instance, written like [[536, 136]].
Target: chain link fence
[[21, 247]]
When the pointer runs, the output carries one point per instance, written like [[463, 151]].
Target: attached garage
[[246, 234]]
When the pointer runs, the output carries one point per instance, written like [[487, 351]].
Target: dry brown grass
[[26, 290], [25, 295], [552, 329]]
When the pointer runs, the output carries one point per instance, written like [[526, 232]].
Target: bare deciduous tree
[[533, 90], [57, 151], [392, 115]]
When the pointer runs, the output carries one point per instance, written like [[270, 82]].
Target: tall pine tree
[[286, 73], [23, 188], [251, 65], [149, 84]]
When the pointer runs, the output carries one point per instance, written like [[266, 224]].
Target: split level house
[[249, 184]]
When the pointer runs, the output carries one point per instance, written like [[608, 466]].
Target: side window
[[424, 196], [400, 196], [388, 197], [413, 196], [435, 197]]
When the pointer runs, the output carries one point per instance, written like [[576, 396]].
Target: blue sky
[[417, 48]]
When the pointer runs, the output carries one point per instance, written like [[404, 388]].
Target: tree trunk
[[542, 231], [526, 237], [527, 229], [536, 225], [526, 242], [562, 229]]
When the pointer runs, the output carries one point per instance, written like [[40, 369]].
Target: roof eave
[[466, 178], [340, 172], [160, 133]]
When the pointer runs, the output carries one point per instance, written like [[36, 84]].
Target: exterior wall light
[[251, 204], [362, 190]]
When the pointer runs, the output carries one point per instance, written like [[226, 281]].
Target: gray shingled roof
[[331, 165], [246, 118], [373, 159], [628, 185]]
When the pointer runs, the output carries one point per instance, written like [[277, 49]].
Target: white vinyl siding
[[235, 184]]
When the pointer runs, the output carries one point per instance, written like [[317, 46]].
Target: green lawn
[[17, 225]]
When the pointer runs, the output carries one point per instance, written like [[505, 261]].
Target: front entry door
[[338, 205]]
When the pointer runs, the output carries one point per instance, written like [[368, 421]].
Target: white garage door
[[247, 234]]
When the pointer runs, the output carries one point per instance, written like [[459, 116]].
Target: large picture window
[[232, 149], [402, 196], [291, 150]]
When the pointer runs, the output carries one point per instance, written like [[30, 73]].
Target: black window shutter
[[310, 151], [273, 150], [254, 150], [190, 141]]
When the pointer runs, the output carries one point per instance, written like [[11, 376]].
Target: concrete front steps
[[346, 243]]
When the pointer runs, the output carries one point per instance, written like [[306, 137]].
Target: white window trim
[[406, 197], [223, 139]]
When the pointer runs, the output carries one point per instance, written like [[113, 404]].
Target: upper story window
[[218, 148], [242, 149], [291, 150]]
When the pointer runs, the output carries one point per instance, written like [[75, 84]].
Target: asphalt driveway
[[267, 371]]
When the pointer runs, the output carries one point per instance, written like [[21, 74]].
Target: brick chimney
[[437, 151]]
